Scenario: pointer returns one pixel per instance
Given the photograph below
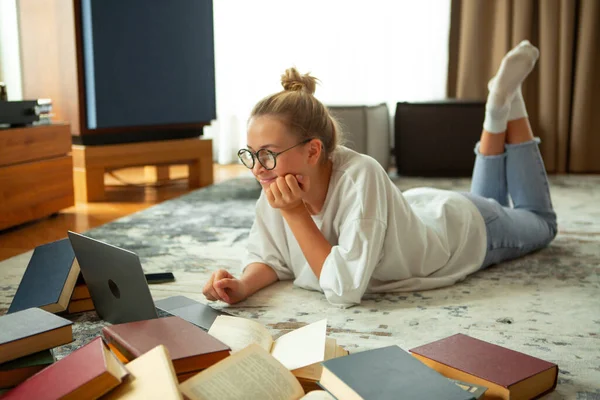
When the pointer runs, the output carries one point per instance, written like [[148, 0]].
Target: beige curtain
[[562, 93]]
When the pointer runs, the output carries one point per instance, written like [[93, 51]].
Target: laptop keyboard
[[162, 313]]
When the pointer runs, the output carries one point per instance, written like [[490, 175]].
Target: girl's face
[[270, 133]]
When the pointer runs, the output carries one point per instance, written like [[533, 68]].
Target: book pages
[[238, 333], [301, 347], [250, 374]]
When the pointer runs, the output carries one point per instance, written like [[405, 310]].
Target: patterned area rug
[[546, 304]]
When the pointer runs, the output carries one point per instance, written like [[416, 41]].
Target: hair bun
[[293, 81]]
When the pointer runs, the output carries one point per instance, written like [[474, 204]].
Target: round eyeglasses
[[266, 157]]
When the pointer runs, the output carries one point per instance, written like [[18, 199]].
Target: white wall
[[10, 59], [364, 53]]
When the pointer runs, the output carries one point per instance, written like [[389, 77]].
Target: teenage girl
[[332, 220]]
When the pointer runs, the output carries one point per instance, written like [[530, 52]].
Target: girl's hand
[[287, 192], [224, 287]]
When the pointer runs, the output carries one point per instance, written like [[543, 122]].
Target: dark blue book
[[384, 374], [49, 279]]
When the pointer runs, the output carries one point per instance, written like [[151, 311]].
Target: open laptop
[[119, 288], [115, 279]]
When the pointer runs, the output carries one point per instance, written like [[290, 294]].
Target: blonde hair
[[297, 107]]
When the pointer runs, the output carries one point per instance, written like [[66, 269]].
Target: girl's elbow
[[345, 298]]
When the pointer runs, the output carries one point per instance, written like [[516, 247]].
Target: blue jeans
[[531, 223]]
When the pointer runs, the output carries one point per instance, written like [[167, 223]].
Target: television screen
[[148, 62]]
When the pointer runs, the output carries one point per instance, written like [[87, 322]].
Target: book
[[77, 306], [181, 377], [49, 279], [30, 331], [309, 376], [506, 373], [476, 390], [151, 376], [16, 371], [296, 349], [186, 375], [117, 353], [88, 373], [191, 348], [81, 292], [251, 373], [386, 373], [197, 313]]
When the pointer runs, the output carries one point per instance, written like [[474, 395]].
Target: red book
[[190, 348], [88, 373], [506, 373]]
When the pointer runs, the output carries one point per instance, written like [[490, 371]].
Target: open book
[[309, 376], [251, 374], [296, 349]]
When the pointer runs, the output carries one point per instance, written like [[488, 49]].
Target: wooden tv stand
[[91, 162]]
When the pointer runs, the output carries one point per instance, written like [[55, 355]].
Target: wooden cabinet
[[36, 173]]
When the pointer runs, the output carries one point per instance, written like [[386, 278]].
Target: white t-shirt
[[383, 240]]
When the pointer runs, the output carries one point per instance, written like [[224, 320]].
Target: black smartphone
[[160, 277]]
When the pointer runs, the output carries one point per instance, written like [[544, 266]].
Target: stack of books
[[81, 300], [43, 110], [53, 282], [24, 112], [26, 341], [93, 371]]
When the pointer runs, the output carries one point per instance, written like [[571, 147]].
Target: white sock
[[517, 107], [505, 86]]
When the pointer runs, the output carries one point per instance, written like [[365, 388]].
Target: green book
[[16, 371]]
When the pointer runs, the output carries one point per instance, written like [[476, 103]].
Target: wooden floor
[[127, 192]]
